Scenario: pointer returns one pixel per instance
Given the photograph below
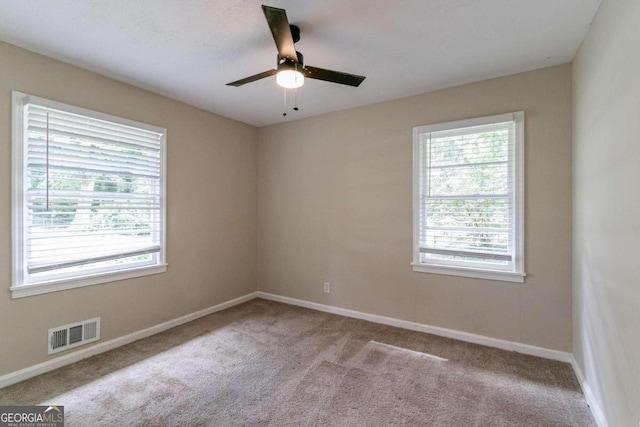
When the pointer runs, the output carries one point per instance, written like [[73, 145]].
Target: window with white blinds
[[88, 197], [468, 198]]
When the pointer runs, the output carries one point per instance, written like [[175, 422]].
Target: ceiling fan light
[[290, 79]]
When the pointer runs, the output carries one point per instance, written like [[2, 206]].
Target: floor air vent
[[70, 336]]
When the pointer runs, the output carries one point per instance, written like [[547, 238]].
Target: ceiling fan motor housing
[[288, 64]]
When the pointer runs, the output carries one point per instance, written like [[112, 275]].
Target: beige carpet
[[265, 363]]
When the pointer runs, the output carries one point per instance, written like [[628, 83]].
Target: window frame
[[517, 273], [18, 286]]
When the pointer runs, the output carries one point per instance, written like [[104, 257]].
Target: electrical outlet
[[327, 287]]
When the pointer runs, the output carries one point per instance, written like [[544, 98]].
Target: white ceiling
[[189, 49]]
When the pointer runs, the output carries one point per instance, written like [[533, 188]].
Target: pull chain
[[284, 103]]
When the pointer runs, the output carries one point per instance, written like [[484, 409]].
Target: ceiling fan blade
[[279, 26], [333, 76], [252, 78]]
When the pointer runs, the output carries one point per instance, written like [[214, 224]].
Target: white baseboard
[[67, 359], [420, 327], [594, 405]]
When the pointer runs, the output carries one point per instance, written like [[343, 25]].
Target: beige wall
[[211, 212], [606, 87], [335, 204]]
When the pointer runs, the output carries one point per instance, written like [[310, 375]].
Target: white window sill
[[63, 284], [506, 276]]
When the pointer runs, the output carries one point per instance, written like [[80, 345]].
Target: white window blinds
[[92, 192], [467, 194]]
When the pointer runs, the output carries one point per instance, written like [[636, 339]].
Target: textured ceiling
[[189, 49]]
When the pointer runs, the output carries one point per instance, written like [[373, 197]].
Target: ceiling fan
[[291, 71]]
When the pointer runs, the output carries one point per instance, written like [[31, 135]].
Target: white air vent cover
[[72, 335]]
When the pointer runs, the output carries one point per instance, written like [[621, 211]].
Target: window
[[468, 198], [88, 197]]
